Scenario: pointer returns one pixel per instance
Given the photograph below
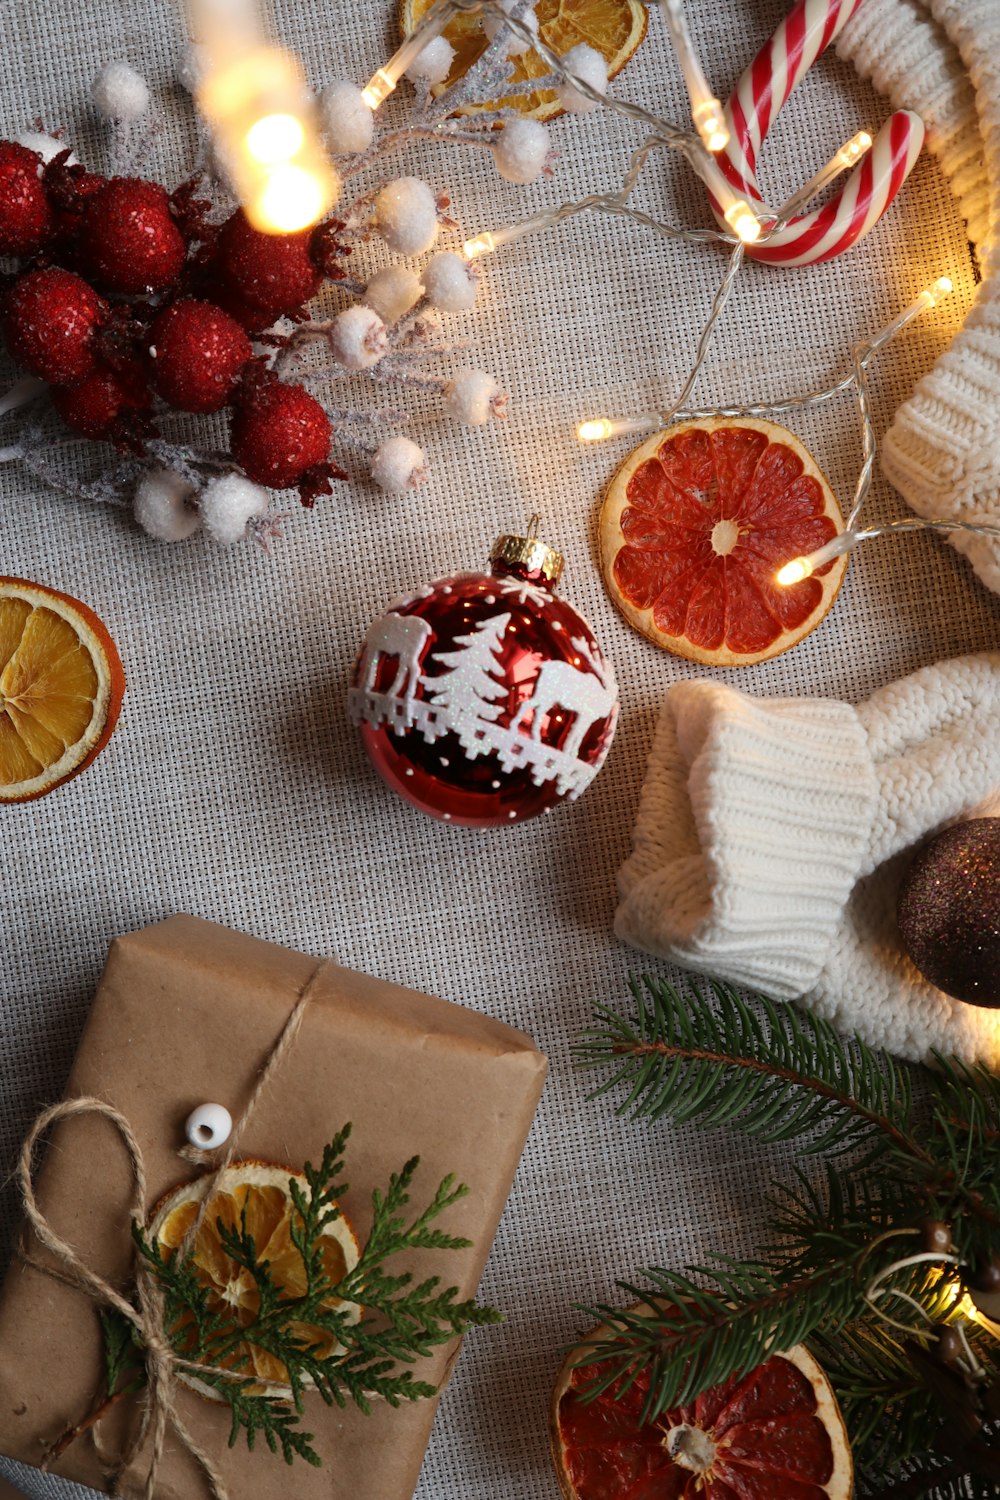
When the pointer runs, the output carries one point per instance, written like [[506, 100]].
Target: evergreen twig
[[324, 1337], [895, 1161]]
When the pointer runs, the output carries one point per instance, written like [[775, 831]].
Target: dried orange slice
[[260, 1189], [694, 528], [61, 686], [775, 1434], [612, 27]]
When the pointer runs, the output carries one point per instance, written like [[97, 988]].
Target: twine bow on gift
[[146, 1316]]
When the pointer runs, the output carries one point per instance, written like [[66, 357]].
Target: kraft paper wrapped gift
[[188, 1012]]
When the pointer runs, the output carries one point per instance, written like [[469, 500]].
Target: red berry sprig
[[185, 296]]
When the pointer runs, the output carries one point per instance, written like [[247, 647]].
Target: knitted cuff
[[751, 830], [942, 451]]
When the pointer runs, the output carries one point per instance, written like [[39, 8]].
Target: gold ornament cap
[[528, 556]]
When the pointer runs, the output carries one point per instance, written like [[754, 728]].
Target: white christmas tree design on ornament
[[485, 699]]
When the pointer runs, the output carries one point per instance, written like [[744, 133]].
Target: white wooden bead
[[208, 1126]]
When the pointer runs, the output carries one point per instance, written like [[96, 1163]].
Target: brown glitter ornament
[[949, 911]]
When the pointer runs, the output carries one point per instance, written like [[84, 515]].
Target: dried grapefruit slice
[[694, 527], [260, 1189], [775, 1434], [612, 27], [61, 686]]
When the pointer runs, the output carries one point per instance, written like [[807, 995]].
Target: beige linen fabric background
[[234, 787]]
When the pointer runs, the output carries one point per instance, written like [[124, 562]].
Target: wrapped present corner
[[188, 1012]]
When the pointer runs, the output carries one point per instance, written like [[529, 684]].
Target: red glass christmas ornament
[[484, 699]]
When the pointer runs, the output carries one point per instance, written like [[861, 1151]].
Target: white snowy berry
[[473, 397], [393, 291], [589, 65], [192, 65], [407, 216], [162, 506], [347, 120], [227, 504], [433, 64], [45, 146], [120, 92], [521, 150], [516, 47], [450, 281], [358, 338], [398, 465]]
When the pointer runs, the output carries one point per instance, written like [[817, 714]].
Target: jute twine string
[[162, 1363]]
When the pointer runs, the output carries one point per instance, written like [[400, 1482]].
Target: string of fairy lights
[[255, 99]]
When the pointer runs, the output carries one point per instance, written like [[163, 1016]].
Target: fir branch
[[777, 1078], [690, 1334]]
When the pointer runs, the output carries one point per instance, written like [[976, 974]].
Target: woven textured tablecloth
[[234, 787]]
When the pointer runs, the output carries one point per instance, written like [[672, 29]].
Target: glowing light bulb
[[710, 124], [378, 89], [383, 82], [793, 572], [267, 136], [290, 198], [743, 222], [275, 138], [483, 244], [595, 431], [933, 294], [599, 429], [854, 149], [803, 567]]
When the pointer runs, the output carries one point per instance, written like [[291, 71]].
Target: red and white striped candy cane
[[820, 233]]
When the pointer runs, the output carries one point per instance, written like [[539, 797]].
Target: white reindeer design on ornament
[[401, 636], [559, 685]]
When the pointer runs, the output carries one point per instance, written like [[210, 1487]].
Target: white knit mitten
[[772, 834]]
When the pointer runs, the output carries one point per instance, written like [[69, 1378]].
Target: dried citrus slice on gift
[[694, 528], [612, 27], [61, 686], [775, 1434], [260, 1191]]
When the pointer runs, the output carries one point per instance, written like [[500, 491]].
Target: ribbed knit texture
[[751, 830], [942, 451], [772, 836]]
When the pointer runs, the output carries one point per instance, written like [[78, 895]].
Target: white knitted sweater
[[942, 58], [772, 835]]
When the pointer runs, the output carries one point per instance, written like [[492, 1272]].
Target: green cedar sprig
[[401, 1322], [896, 1157]]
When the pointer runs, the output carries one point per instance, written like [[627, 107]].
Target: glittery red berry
[[279, 432], [272, 273], [128, 237], [197, 351], [96, 407], [49, 322], [26, 219]]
